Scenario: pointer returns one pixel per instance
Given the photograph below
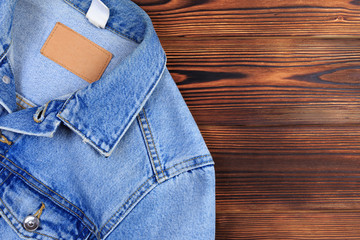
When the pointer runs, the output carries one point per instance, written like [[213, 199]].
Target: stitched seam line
[[42, 192], [13, 214], [188, 160], [153, 142], [183, 168], [131, 205], [5, 179], [49, 194], [23, 100], [101, 69], [4, 53], [148, 148], [38, 182], [121, 34], [137, 190], [10, 146], [107, 27], [75, 7], [15, 229], [11, 68], [81, 133], [96, 146], [38, 189], [20, 105], [21, 223], [74, 127], [190, 167], [43, 49], [81, 233]]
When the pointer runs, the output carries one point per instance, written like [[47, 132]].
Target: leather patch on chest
[[76, 53]]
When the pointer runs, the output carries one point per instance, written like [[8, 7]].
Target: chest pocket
[[34, 215]]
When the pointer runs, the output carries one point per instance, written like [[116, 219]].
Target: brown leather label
[[76, 53]]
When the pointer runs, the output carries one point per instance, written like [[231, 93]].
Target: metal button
[[6, 79], [31, 223]]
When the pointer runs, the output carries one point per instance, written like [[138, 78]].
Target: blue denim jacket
[[120, 158]]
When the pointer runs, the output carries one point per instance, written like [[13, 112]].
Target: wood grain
[[267, 81], [275, 89], [285, 168], [244, 18], [292, 225]]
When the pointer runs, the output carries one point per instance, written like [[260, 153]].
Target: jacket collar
[[103, 111]]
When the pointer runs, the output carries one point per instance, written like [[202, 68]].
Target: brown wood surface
[[275, 89]]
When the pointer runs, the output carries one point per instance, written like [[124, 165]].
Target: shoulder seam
[[148, 186], [189, 164]]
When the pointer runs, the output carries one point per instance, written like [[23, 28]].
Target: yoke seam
[[188, 160], [127, 201], [174, 174]]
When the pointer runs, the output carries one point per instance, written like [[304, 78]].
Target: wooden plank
[[292, 225], [287, 191], [267, 81], [243, 18], [285, 168], [275, 88], [286, 182], [277, 141]]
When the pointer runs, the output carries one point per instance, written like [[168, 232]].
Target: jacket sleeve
[[182, 207]]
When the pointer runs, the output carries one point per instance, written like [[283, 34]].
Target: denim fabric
[[121, 158]]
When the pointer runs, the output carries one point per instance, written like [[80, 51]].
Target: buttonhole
[[39, 115], [3, 139]]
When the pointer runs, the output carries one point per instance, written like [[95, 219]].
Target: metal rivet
[[6, 79], [31, 223]]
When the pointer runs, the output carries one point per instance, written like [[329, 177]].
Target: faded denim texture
[[121, 158]]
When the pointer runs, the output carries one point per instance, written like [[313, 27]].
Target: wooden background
[[274, 86]]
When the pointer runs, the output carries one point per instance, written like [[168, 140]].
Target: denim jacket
[[119, 158]]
